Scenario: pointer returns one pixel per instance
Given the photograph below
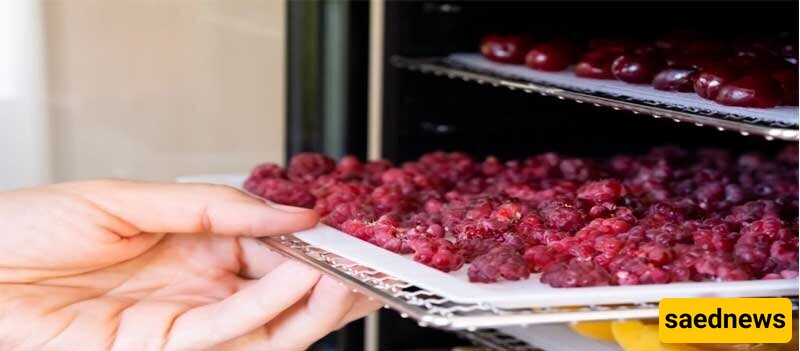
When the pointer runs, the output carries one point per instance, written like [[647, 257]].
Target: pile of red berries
[[670, 215]]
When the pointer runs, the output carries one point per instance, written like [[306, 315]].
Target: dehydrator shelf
[[432, 310], [745, 125]]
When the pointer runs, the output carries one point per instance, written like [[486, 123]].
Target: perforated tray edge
[[441, 67], [436, 311]]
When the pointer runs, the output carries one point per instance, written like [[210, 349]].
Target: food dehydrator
[[377, 80]]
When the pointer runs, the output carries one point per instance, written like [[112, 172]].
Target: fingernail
[[290, 209]]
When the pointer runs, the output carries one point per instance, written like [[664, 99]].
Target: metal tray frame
[[432, 310], [721, 121]]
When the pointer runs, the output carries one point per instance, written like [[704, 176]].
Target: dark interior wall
[[423, 113], [419, 28]]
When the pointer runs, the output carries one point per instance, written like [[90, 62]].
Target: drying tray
[[642, 100], [432, 309]]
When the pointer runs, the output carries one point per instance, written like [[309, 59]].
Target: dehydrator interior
[[422, 112]]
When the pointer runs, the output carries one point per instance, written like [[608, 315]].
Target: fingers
[[256, 259], [76, 273], [191, 208], [329, 307], [318, 316], [156, 315], [244, 311], [361, 308]]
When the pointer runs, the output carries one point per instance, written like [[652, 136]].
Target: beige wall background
[[157, 89]]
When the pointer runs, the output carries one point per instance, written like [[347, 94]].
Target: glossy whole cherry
[[554, 55], [711, 79], [753, 90], [597, 63], [637, 69], [675, 79], [505, 48]]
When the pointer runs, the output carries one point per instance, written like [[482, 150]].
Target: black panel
[[326, 81], [356, 118], [397, 333], [304, 121], [417, 28], [484, 120]]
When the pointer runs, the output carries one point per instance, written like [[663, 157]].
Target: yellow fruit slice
[[637, 336], [594, 330]]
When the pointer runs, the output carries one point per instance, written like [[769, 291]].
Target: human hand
[[89, 266]]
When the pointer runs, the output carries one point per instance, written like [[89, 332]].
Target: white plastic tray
[[520, 294]]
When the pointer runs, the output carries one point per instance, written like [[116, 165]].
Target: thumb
[[191, 208]]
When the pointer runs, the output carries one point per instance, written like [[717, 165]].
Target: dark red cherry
[[787, 79], [505, 49], [597, 63], [553, 55], [594, 69], [753, 90], [675, 79], [637, 69], [711, 79]]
